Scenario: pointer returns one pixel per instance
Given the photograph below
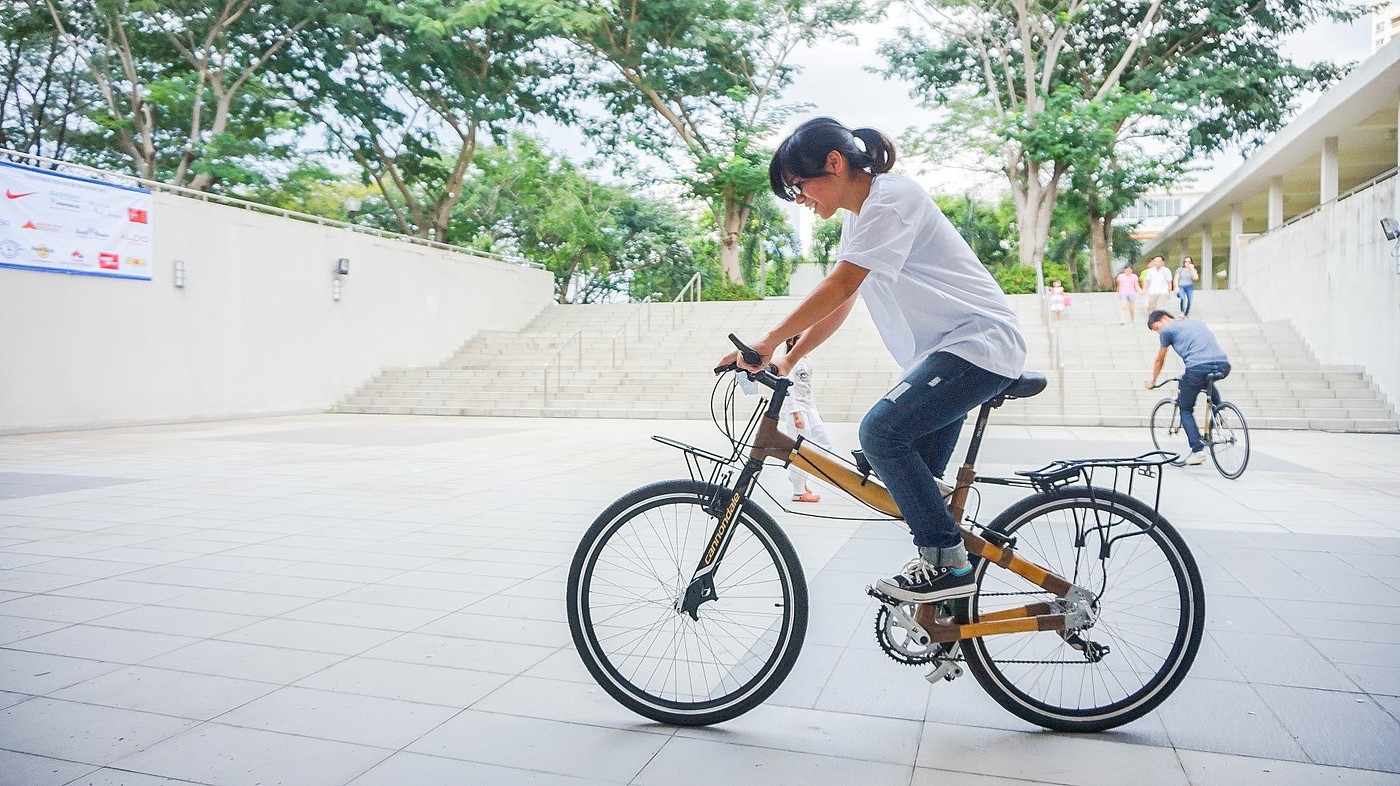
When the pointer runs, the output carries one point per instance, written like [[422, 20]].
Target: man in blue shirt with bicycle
[[1203, 358]]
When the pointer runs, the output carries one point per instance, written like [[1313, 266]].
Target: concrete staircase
[[664, 354]]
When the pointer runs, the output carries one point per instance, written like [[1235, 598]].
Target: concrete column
[[1236, 229], [1207, 258], [1330, 170], [1275, 202]]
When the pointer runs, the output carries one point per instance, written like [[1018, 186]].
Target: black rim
[[1229, 440]]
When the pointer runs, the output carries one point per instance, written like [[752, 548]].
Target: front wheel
[[1229, 440], [1166, 429], [1148, 612], [628, 577]]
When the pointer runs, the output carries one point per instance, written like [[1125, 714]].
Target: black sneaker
[[921, 582]]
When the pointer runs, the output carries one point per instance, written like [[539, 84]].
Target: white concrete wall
[[1333, 276], [254, 330]]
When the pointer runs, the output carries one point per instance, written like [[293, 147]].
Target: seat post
[[974, 446], [968, 472]]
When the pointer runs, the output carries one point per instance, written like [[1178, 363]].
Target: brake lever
[[750, 356]]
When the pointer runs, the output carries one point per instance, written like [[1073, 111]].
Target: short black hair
[[1156, 315]]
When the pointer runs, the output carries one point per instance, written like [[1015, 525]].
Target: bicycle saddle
[[1029, 384]]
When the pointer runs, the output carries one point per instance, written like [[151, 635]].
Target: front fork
[[768, 443], [702, 583]]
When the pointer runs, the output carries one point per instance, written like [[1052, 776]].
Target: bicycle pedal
[[880, 596], [945, 670]]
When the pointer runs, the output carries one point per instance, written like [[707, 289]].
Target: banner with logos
[[65, 224]]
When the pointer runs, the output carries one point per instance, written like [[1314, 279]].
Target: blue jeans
[[1193, 381], [909, 436], [1186, 292]]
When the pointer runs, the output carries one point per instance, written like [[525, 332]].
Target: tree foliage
[[45, 91], [408, 88], [695, 83], [523, 199], [185, 97], [1047, 87]]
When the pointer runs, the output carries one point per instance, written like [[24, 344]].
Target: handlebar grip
[[726, 368], [750, 356]]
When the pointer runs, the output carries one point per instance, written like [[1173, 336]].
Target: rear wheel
[[1229, 440], [1148, 612], [625, 585]]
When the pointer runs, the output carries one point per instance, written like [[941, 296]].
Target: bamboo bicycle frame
[[771, 443]]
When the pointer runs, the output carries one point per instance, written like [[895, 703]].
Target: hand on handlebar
[[752, 359]]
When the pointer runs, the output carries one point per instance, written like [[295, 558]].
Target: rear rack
[[1058, 474]]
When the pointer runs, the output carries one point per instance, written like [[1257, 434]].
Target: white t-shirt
[[1159, 280], [926, 291]]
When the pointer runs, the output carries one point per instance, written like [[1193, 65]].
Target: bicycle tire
[[629, 571], [1046, 532], [1229, 440], [1165, 425]]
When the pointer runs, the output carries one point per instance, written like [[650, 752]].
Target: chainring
[[900, 645]]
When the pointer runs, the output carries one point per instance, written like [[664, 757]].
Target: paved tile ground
[[378, 600]]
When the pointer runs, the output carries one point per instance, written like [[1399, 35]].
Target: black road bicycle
[[1223, 429]]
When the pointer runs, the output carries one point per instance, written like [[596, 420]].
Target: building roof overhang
[[1360, 110]]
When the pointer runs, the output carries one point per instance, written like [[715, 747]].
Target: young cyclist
[[940, 313], [1202, 355]]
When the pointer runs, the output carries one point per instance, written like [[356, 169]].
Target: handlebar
[[1166, 382], [765, 377]]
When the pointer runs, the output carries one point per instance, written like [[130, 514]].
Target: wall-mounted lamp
[[1392, 232], [179, 276], [342, 268]]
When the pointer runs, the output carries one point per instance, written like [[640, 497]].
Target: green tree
[[826, 238], [696, 83], [1042, 86], [183, 85], [408, 88], [601, 242], [770, 248], [44, 89]]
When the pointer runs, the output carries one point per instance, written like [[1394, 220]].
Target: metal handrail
[[258, 207], [577, 336], [695, 282], [622, 331]]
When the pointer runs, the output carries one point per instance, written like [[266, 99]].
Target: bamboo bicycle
[[688, 604], [1223, 429]]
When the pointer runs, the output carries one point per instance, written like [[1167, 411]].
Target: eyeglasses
[[794, 187]]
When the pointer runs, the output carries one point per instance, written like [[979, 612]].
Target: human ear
[[835, 162]]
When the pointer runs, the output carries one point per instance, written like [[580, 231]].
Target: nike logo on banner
[[13, 195]]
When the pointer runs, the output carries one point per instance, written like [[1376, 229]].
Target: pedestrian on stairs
[[1059, 301], [1128, 290], [800, 418], [941, 315], [1158, 283], [1186, 278]]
